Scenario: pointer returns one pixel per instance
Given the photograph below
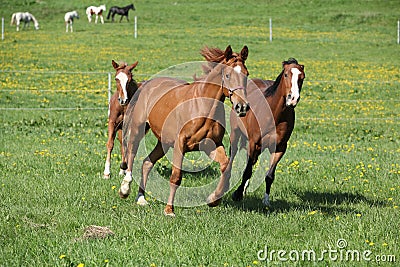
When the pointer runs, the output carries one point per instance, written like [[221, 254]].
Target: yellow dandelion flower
[[62, 256], [312, 212], [81, 265], [358, 215], [385, 244]]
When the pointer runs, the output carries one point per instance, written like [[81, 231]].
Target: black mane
[[272, 89]]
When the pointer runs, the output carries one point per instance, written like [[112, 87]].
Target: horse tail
[[13, 19]]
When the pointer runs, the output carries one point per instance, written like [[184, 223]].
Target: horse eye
[[286, 75], [227, 76]]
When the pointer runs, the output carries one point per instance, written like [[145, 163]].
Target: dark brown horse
[[186, 117], [269, 123], [126, 88]]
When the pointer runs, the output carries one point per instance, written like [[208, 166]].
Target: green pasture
[[337, 190]]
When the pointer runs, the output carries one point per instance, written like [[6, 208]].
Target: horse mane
[[213, 54], [122, 64], [272, 89]]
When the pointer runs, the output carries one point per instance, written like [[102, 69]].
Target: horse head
[[123, 78], [233, 73], [292, 79]]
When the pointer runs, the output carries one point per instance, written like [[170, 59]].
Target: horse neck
[[276, 99], [131, 88], [34, 20], [211, 87]]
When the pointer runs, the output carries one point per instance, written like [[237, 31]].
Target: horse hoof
[[123, 195], [237, 196], [213, 201], [266, 202], [122, 172], [106, 176], [169, 211], [141, 201]]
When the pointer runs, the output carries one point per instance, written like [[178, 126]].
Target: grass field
[[337, 190]]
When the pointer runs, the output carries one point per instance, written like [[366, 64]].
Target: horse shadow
[[329, 203]]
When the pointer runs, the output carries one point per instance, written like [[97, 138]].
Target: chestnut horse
[[186, 117], [269, 123], [126, 88]]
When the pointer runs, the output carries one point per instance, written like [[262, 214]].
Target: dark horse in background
[[269, 123], [123, 11]]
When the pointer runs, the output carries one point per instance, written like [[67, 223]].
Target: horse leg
[[269, 178], [148, 164], [110, 146], [123, 166], [137, 132], [176, 176], [66, 26], [219, 156], [17, 26], [234, 141], [72, 30], [89, 17], [120, 20], [248, 171], [101, 19]]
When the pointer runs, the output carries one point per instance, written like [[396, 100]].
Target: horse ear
[[115, 64], [228, 52], [244, 53], [302, 67], [131, 67]]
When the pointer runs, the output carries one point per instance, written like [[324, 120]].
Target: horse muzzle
[[241, 109], [292, 101], [123, 102]]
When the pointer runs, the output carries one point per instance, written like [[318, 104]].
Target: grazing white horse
[[26, 17], [69, 19], [95, 10]]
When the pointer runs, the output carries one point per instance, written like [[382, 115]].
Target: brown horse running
[[186, 117], [126, 88], [269, 123]]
